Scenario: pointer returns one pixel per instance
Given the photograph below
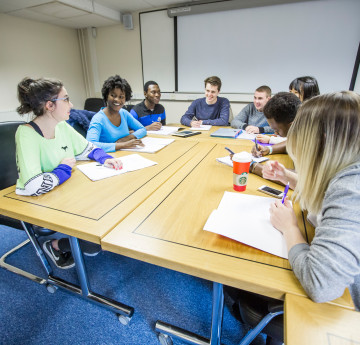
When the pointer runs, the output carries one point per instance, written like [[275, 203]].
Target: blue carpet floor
[[31, 315]]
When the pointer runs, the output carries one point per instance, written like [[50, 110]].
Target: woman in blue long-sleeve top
[[110, 127]]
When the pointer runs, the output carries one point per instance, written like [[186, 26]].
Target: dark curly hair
[[282, 107], [34, 93], [306, 86], [148, 83], [116, 82]]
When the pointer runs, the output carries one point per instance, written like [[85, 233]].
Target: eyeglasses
[[66, 99]]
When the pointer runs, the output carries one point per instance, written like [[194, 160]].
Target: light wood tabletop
[[312, 323], [167, 230], [88, 210], [205, 136]]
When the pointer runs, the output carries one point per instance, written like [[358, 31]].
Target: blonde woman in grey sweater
[[324, 142]]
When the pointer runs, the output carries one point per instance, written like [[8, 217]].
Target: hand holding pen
[[195, 122], [285, 192], [112, 163], [231, 152]]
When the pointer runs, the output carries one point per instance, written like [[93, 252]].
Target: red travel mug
[[241, 165]]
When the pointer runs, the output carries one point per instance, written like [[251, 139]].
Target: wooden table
[[88, 210], [166, 230], [205, 136], [311, 323]]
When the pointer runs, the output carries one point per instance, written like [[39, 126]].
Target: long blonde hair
[[323, 140]]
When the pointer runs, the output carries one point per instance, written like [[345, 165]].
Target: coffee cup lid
[[242, 157]]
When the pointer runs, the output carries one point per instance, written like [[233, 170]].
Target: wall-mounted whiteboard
[[269, 45]]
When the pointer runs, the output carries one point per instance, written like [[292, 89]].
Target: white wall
[[118, 52], [35, 49]]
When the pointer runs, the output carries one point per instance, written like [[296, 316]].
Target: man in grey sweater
[[251, 118]]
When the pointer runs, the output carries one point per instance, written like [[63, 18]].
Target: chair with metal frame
[[262, 314], [8, 176]]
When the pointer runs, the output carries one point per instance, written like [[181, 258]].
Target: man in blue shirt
[[209, 110], [149, 112]]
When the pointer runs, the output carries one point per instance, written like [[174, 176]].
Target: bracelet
[[270, 150]]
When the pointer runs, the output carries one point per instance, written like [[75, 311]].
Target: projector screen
[[270, 45], [247, 48]]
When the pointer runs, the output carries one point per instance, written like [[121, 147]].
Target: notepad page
[[165, 130], [244, 135], [151, 145], [201, 128], [246, 218], [227, 160], [95, 171]]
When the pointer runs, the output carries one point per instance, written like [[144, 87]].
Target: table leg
[[125, 311], [166, 330]]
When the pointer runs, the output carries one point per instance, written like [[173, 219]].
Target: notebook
[[225, 133]]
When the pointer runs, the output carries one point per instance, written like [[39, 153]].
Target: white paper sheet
[[246, 218], [244, 135], [201, 128], [152, 145], [95, 171], [165, 130], [227, 160]]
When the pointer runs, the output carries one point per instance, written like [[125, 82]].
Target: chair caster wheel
[[124, 320], [165, 339], [51, 288]]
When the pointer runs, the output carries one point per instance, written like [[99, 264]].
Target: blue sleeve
[[93, 135], [99, 155], [188, 116], [163, 120], [134, 114], [223, 119], [63, 172], [135, 125]]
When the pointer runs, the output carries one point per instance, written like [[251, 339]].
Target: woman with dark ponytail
[[47, 147]]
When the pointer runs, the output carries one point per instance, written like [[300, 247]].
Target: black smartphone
[[271, 191]]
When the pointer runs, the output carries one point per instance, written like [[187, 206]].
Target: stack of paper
[[201, 128], [165, 130], [246, 218], [227, 160], [95, 171], [151, 145]]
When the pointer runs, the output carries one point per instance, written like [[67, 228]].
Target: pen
[[103, 165], [231, 152], [238, 133], [256, 145], [195, 118], [285, 192]]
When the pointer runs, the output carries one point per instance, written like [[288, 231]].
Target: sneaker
[[61, 260], [90, 249]]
